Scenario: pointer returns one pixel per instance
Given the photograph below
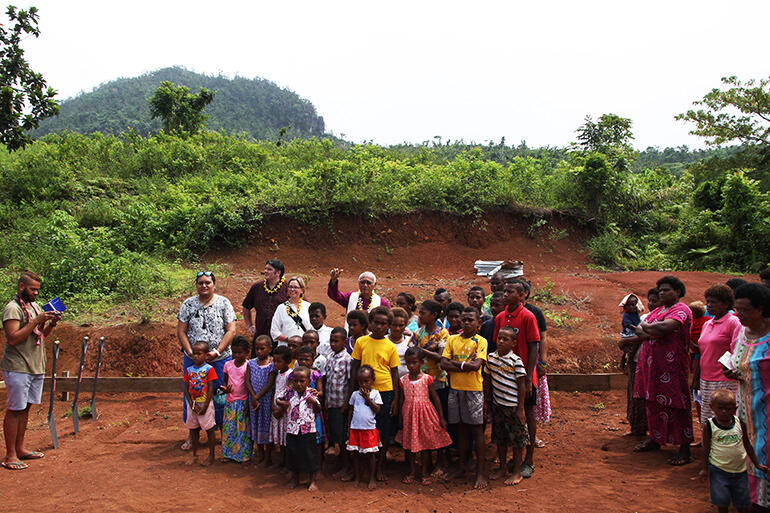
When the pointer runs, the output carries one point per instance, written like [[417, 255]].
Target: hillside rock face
[[255, 106]]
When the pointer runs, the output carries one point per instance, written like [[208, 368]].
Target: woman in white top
[[291, 317]]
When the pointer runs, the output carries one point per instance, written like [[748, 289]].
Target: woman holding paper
[[716, 337], [662, 372], [751, 362]]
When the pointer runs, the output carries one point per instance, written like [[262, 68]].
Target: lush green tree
[[24, 97], [740, 113], [611, 135], [180, 111]]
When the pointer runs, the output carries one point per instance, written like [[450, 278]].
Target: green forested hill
[[255, 106]]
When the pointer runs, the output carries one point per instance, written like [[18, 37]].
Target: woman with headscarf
[[662, 372]]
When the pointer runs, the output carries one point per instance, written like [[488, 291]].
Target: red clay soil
[[129, 460]]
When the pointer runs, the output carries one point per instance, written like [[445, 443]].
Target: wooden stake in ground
[[96, 378], [75, 413], [51, 420]]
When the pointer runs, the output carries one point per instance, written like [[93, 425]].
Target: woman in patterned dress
[[751, 359], [662, 372]]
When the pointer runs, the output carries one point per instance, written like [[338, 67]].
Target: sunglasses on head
[[204, 273]]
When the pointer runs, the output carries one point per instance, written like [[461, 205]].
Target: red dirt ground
[[130, 461]]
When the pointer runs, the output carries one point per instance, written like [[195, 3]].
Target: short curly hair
[[721, 293], [758, 295], [675, 283]]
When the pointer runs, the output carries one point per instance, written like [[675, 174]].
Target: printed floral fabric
[[236, 441]]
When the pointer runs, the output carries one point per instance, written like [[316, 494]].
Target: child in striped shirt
[[506, 374]]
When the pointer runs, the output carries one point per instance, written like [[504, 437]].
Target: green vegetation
[[25, 99], [180, 111], [256, 107], [109, 219]]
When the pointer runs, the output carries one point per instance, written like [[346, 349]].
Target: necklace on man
[[274, 289]]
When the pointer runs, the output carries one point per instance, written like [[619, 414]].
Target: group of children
[[356, 391]]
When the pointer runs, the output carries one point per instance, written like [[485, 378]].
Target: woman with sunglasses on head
[[292, 317], [210, 318]]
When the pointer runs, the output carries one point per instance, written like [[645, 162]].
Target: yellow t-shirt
[[461, 349], [382, 355]]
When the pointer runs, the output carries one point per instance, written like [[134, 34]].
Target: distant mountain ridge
[[255, 106]]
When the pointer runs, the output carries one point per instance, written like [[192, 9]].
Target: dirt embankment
[[415, 253]]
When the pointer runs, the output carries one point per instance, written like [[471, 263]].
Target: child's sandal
[[408, 479], [426, 481]]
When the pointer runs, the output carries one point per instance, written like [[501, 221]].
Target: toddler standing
[[726, 444], [364, 438], [260, 380], [236, 439], [199, 378], [299, 405]]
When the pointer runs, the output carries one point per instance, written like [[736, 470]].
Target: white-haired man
[[362, 299]]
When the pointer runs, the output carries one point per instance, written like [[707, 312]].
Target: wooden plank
[[584, 382], [118, 385]]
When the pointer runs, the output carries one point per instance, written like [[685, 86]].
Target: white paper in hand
[[727, 360]]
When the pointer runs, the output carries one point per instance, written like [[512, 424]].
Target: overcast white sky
[[408, 71]]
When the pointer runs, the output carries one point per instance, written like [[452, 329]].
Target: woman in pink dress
[[423, 425], [662, 372]]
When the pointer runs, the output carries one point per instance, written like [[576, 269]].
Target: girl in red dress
[[423, 425]]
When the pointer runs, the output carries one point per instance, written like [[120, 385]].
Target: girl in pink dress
[[423, 424]]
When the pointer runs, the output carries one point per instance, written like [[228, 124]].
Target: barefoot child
[[300, 406], [364, 438], [336, 383], [506, 377], [237, 444], [431, 338], [281, 359], [463, 359], [260, 380], [305, 358], [358, 326], [726, 444], [198, 392], [381, 355], [423, 424]]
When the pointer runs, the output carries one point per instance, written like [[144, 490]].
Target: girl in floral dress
[[236, 440]]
